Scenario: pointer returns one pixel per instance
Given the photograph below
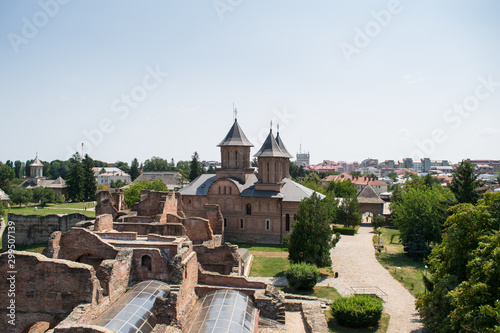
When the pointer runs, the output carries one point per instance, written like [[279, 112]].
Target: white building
[[107, 177]]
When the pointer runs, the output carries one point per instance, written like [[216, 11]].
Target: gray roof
[[282, 146], [235, 137], [43, 182], [4, 196], [170, 178], [290, 191], [36, 162], [270, 148], [368, 195]]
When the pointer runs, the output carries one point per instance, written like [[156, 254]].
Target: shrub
[[358, 311], [346, 231], [302, 276], [378, 222]]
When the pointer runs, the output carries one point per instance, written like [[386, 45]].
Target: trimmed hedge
[[302, 276], [346, 231], [358, 311]]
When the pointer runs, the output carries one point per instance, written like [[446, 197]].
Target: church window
[[275, 173], [236, 158], [249, 209], [219, 189], [268, 172], [224, 190], [225, 222], [230, 190], [287, 222], [268, 224], [241, 223]]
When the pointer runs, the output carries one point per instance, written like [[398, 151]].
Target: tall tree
[[75, 178], [89, 181], [6, 175], [195, 168], [419, 213], [465, 183], [348, 213], [132, 194], [311, 238], [342, 189], [464, 288], [134, 169], [17, 169], [21, 195], [123, 166], [157, 164]]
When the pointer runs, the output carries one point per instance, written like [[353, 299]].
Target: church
[[258, 207]]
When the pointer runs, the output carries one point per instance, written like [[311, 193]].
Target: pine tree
[[311, 238], [195, 168], [465, 183], [89, 182], [134, 169], [75, 178]]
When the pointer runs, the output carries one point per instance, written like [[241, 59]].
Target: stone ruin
[[87, 268]]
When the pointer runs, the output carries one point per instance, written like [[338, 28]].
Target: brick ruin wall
[[46, 290], [31, 229]]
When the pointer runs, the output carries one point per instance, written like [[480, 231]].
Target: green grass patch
[[74, 205], [334, 327], [320, 292], [269, 266], [36, 248], [404, 269], [262, 247], [50, 209]]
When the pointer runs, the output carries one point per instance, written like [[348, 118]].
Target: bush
[[358, 311], [378, 222], [346, 231], [302, 276]]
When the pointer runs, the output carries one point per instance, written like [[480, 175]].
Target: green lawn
[[321, 292], [65, 208], [399, 264], [269, 266], [37, 248], [262, 247]]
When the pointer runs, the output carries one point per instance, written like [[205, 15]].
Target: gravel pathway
[[354, 259]]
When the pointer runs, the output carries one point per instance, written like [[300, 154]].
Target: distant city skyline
[[347, 80]]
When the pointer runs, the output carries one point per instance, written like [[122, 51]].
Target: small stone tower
[[36, 168], [235, 155], [274, 163]]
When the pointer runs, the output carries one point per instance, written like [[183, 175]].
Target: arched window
[[219, 189], [146, 262], [230, 190], [268, 172], [236, 158], [287, 222], [268, 224], [224, 190], [225, 222], [241, 223], [275, 172], [249, 209]]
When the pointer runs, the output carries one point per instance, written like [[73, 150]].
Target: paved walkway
[[354, 259]]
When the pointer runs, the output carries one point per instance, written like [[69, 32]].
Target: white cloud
[[488, 131]]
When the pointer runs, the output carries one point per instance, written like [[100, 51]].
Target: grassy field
[[321, 292], [262, 247], [65, 208], [404, 269], [269, 266]]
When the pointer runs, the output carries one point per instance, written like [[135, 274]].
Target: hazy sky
[[346, 79]]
